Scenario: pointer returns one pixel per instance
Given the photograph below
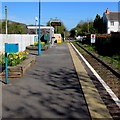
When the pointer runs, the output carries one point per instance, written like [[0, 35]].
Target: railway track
[[109, 75], [103, 63]]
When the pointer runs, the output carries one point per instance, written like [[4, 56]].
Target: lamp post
[[50, 33], [64, 34], [36, 23], [75, 33], [39, 42]]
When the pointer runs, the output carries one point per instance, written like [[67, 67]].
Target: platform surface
[[55, 87]]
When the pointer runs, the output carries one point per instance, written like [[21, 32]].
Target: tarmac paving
[[56, 86], [49, 89]]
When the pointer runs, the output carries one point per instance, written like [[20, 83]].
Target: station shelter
[[46, 33]]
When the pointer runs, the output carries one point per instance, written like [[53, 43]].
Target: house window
[[112, 23]]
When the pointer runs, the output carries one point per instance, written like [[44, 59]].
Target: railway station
[[61, 84], [55, 70]]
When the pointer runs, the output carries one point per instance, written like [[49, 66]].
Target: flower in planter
[[0, 60], [2, 52], [35, 43], [16, 58], [26, 53], [42, 44]]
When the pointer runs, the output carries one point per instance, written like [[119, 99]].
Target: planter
[[19, 70], [36, 48]]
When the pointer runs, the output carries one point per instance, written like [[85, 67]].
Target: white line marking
[[111, 93]]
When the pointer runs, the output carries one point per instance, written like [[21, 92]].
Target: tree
[[13, 28], [98, 24], [91, 28], [72, 32], [83, 28]]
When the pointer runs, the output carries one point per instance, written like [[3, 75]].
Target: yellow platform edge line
[[95, 104]]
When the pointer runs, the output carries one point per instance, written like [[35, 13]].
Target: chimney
[[107, 11]]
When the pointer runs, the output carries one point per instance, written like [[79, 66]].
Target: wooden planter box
[[19, 70], [36, 48]]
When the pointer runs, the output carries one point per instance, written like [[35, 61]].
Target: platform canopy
[[41, 27]]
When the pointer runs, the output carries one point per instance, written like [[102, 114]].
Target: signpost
[[93, 38], [9, 48]]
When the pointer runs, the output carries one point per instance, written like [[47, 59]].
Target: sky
[[70, 13]]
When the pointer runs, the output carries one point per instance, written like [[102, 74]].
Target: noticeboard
[[11, 48], [55, 23]]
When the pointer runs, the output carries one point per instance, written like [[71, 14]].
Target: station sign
[[11, 48], [55, 23], [93, 36]]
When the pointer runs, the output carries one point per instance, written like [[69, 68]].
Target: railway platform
[[56, 86]]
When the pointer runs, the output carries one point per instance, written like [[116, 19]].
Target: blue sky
[[70, 13]]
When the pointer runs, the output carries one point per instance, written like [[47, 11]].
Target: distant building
[[111, 22]]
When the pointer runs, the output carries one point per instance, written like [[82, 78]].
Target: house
[[111, 22]]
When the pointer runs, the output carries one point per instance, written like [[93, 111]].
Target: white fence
[[23, 40]]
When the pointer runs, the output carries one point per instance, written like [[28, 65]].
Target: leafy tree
[[98, 23], [83, 28], [88, 27], [72, 32], [91, 28], [13, 28]]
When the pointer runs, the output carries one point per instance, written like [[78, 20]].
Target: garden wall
[[22, 39]]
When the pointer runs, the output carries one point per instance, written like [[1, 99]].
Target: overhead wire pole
[[36, 23], [6, 12], [39, 42]]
